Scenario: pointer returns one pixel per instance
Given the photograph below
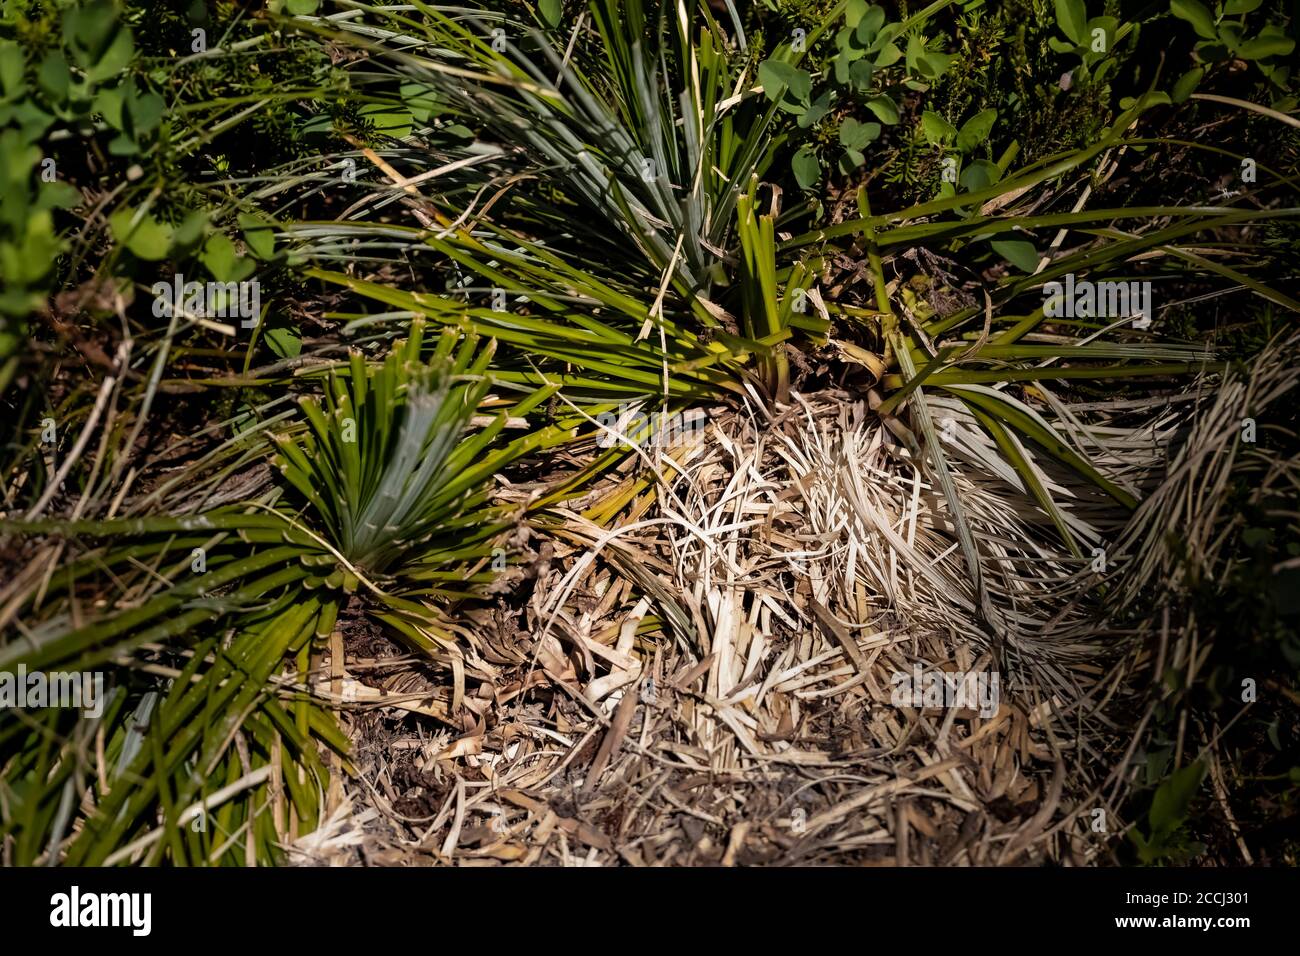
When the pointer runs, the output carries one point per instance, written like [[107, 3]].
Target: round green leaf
[[888, 55], [776, 76], [1018, 252], [806, 167], [870, 24], [933, 65], [819, 108], [1263, 47], [860, 75], [976, 130], [259, 234], [886, 110], [284, 341], [855, 135], [1070, 17], [937, 129], [148, 238], [1187, 84], [1197, 14], [979, 174], [54, 76]]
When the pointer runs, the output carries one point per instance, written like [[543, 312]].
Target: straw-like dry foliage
[[649, 432]]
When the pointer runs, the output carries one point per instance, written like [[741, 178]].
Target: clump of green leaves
[[856, 92], [1227, 33], [1093, 40], [959, 148], [1164, 839], [387, 466], [61, 66], [395, 478]]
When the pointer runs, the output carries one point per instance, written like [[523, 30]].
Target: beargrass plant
[[210, 639], [525, 222], [972, 353], [1004, 358], [648, 150]]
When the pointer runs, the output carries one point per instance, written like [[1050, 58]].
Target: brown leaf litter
[[706, 680]]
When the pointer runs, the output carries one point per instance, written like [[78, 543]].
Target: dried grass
[[707, 681]]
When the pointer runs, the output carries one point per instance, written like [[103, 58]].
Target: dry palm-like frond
[[1183, 543], [816, 559], [965, 511], [984, 355], [813, 560], [1175, 536], [804, 559], [871, 535]]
